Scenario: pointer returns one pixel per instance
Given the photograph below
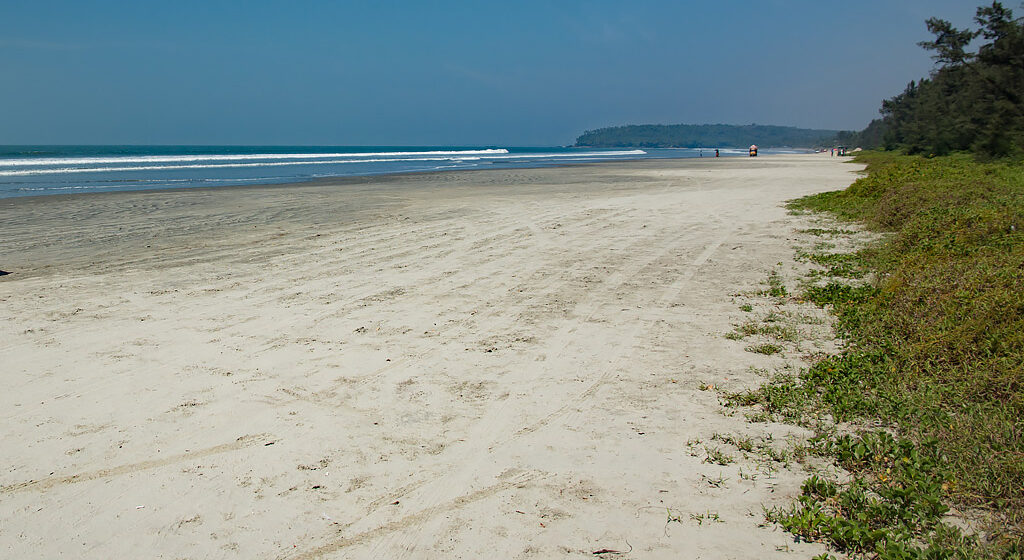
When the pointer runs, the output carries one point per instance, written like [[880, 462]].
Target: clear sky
[[445, 73]]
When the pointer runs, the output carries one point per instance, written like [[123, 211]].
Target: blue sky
[[445, 73]]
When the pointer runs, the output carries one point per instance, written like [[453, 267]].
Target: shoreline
[[349, 179], [440, 364], [340, 180], [38, 238]]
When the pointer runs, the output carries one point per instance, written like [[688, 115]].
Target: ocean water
[[50, 170]]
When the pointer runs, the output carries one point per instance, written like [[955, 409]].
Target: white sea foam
[[463, 156], [21, 162], [568, 155], [61, 170]]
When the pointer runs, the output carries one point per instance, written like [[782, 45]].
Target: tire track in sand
[[53, 481], [518, 481], [474, 448]]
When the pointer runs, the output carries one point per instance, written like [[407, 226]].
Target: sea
[[53, 170]]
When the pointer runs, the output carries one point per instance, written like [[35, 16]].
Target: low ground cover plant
[[934, 355]]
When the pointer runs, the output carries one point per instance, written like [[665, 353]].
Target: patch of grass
[[834, 259], [826, 231], [836, 265], [935, 351], [767, 349], [743, 444], [717, 456], [761, 448], [747, 328], [746, 308], [784, 397], [836, 293], [771, 330], [786, 333], [776, 287]]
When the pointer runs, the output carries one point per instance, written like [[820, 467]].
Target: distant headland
[[705, 135]]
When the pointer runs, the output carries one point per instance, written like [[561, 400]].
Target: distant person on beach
[[716, 152]]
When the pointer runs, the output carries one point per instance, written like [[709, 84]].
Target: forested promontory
[[706, 136]]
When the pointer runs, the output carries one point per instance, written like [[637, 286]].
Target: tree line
[[973, 101]]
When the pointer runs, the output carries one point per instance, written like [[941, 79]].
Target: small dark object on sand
[[611, 551], [4, 273]]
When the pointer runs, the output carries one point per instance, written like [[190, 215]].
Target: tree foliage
[[971, 102]]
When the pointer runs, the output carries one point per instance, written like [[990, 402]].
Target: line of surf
[[21, 162], [551, 156]]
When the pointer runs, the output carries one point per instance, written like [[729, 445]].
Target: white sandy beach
[[487, 364]]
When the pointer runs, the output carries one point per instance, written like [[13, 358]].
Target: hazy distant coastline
[[705, 135]]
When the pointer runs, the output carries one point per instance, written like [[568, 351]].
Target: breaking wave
[[296, 159], [233, 157]]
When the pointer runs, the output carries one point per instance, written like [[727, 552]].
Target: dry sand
[[504, 363]]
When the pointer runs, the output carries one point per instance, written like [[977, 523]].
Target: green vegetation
[[836, 293], [717, 456], [934, 360], [826, 231], [769, 329], [838, 265], [763, 448], [973, 102], [776, 287], [708, 516], [935, 355], [704, 135], [871, 137], [766, 348], [891, 509]]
